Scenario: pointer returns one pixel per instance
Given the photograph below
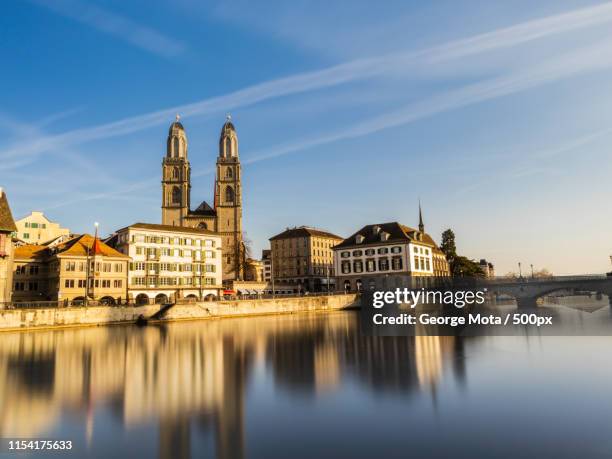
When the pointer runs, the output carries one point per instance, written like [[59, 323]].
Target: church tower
[[228, 203], [176, 182]]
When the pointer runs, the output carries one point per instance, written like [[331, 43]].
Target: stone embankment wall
[[11, 319]]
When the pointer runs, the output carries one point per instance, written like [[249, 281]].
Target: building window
[[26, 235], [369, 252], [176, 195], [396, 263], [229, 173], [33, 286], [357, 253], [383, 250], [69, 283], [358, 266], [346, 267], [370, 265], [396, 249], [427, 264], [229, 195], [383, 264], [34, 269]]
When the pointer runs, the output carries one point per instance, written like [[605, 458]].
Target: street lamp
[[520, 271], [531, 271]]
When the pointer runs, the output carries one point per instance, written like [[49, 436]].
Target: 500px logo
[[457, 298]]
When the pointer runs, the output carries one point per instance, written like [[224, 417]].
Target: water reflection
[[193, 377]]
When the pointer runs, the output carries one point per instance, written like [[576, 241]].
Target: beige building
[[303, 257], [388, 255], [487, 268], [83, 267], [7, 228], [225, 215], [38, 229], [254, 270], [266, 260], [169, 263]]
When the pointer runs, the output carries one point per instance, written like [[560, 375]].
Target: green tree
[[448, 245], [459, 266]]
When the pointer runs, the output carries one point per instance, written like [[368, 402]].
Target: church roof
[[204, 209], [304, 231], [7, 224], [176, 124]]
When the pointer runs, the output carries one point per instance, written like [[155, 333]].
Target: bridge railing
[[526, 280]]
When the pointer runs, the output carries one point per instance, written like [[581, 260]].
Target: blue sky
[[496, 114]]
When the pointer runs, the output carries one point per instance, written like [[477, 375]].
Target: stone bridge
[[526, 291]]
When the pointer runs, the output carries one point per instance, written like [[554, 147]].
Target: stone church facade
[[225, 215]]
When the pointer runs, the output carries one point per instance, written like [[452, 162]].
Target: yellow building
[[303, 257], [82, 267], [7, 227], [38, 229]]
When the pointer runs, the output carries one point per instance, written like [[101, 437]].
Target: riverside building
[[79, 269], [170, 263], [7, 228], [389, 255], [303, 257]]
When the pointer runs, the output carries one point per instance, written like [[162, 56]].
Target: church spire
[[421, 225]]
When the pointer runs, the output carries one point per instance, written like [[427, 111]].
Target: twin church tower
[[225, 215]]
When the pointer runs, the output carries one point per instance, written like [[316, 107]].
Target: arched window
[[229, 194], [176, 195], [175, 148], [202, 225], [228, 147], [229, 173], [175, 173]]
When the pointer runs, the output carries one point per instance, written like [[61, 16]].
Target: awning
[[242, 292]]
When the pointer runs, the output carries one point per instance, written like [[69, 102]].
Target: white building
[[169, 263], [38, 229], [388, 255]]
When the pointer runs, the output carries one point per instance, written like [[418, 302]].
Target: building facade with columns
[[170, 263], [225, 215]]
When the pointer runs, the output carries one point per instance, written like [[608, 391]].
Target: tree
[[464, 267], [448, 245], [459, 266]]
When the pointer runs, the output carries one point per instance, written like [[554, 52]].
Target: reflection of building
[[170, 262], [266, 260], [376, 252], [7, 227], [225, 216], [189, 378], [304, 256], [38, 229], [59, 272], [487, 268]]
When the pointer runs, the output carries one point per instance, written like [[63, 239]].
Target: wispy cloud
[[113, 24], [344, 73]]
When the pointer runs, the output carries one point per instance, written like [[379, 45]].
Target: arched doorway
[[191, 298], [78, 301], [107, 301], [347, 285], [161, 298], [210, 297], [142, 299]]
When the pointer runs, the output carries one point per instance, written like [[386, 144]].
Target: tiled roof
[[84, 244], [397, 233], [175, 229], [29, 251], [304, 231], [7, 224]]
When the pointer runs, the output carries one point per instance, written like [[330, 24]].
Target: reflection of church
[[225, 215]]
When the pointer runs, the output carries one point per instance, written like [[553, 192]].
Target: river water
[[305, 386]]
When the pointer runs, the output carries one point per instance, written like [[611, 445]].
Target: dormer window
[[359, 239], [376, 229], [384, 236]]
